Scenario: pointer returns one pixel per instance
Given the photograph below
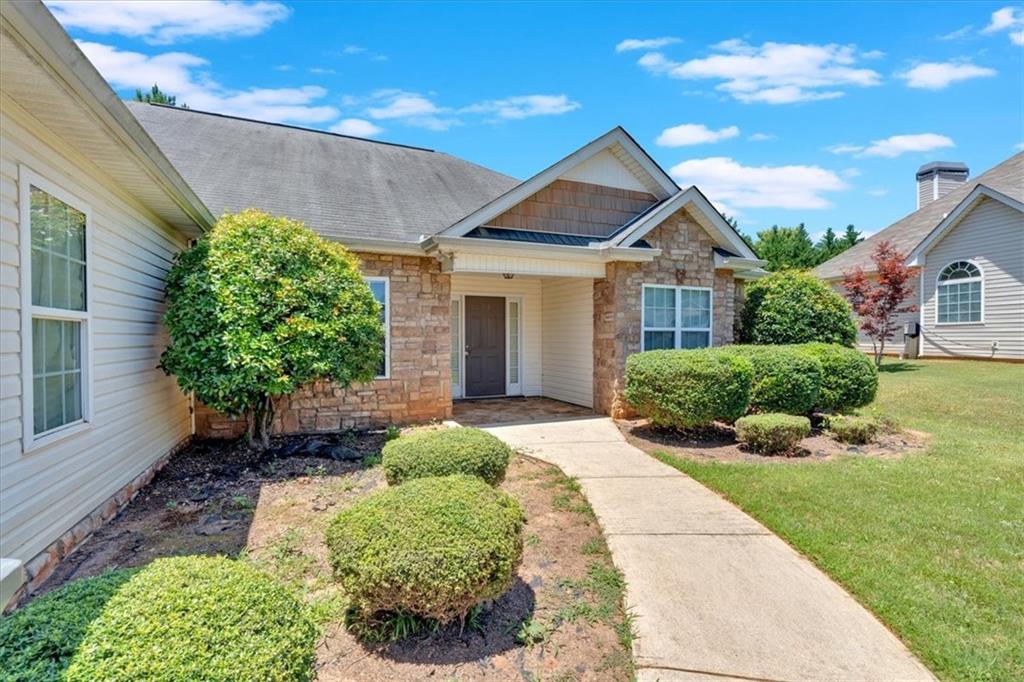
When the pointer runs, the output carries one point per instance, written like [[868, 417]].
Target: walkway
[[716, 596]]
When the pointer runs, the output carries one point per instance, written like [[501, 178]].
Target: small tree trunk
[[879, 353], [263, 417], [250, 424]]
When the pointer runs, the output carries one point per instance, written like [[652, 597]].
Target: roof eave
[[603, 252]]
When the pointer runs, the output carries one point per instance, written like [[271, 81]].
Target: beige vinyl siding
[[568, 340], [992, 236], [138, 414], [528, 290], [896, 344]]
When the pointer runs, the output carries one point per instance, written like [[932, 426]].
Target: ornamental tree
[[262, 305], [795, 307], [878, 301]]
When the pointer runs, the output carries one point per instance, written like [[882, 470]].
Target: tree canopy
[[261, 306], [158, 96], [791, 248]]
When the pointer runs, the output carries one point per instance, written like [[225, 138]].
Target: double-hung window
[[380, 287], [55, 309], [676, 317], [959, 293]]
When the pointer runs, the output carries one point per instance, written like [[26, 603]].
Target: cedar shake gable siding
[[571, 207]]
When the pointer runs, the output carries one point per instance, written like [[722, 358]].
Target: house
[[490, 286], [967, 239]]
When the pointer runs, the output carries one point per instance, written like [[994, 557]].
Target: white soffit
[[609, 169]]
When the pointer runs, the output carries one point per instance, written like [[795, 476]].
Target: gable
[[573, 207], [610, 169]]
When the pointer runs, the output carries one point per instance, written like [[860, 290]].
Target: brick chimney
[[937, 179]]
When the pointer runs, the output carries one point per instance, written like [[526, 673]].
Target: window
[[456, 338], [959, 293], [676, 317], [513, 345], [380, 288], [55, 310]]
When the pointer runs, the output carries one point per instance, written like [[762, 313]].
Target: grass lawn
[[932, 543]]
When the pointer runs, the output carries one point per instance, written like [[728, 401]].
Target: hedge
[[431, 547], [795, 307], [785, 378], [772, 434], [852, 429], [849, 378], [182, 618], [446, 452], [688, 388]]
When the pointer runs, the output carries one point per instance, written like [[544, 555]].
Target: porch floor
[[487, 411]]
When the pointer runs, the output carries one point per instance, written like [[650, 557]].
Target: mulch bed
[[272, 509], [718, 443]]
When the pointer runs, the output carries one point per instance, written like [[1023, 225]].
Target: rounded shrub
[[182, 618], [431, 547], [852, 429], [849, 378], [685, 389], [785, 379], [795, 307], [446, 452], [772, 433]]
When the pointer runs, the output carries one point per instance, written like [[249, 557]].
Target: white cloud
[[961, 32], [359, 49], [409, 108], [851, 173], [728, 182], [872, 54], [354, 49], [321, 71], [939, 75], [774, 73], [878, 191], [357, 127], [179, 74], [645, 43], [1019, 146], [1010, 19], [283, 67], [525, 106], [162, 22], [762, 137], [694, 133], [896, 145]]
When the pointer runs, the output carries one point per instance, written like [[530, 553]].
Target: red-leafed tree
[[879, 300]]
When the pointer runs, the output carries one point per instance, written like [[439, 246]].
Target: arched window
[[959, 291]]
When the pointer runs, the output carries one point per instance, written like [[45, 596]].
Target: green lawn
[[932, 543]]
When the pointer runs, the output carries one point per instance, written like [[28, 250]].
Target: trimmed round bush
[[446, 452], [431, 547], [686, 389], [795, 307], [785, 379], [182, 618], [849, 378], [853, 429], [772, 433]]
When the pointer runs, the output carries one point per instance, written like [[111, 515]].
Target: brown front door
[[485, 346]]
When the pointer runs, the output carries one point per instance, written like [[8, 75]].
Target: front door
[[485, 346]]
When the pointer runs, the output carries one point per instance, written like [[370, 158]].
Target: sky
[[781, 113]]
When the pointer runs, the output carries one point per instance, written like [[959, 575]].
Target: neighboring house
[[967, 238], [91, 213], [490, 286]]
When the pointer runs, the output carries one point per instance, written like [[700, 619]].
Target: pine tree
[[157, 96]]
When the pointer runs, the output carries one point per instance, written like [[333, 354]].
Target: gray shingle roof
[[905, 234], [339, 186]]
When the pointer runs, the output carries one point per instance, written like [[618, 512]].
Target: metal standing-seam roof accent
[[905, 234], [340, 186]]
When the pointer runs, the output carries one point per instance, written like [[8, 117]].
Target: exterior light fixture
[[507, 275]]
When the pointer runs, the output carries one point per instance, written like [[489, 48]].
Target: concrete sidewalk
[[716, 596]]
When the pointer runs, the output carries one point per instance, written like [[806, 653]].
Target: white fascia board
[[525, 189], [713, 222], [600, 253], [916, 257], [731, 263], [42, 36]]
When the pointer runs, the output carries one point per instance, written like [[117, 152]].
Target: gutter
[[389, 246], [737, 263], [602, 252], [42, 36]]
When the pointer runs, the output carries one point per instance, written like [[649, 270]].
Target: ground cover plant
[[931, 542], [853, 429], [444, 452]]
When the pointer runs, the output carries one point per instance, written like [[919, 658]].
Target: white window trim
[[677, 330], [387, 324], [980, 278], [30, 440]]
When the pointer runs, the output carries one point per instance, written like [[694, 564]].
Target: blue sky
[[781, 113]]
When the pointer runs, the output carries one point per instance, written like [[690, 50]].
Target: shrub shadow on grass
[[493, 631], [894, 367]]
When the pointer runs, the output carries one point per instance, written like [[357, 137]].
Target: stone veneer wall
[[419, 386], [687, 259]]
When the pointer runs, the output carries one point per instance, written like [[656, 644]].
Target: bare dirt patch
[[562, 618], [718, 443]]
